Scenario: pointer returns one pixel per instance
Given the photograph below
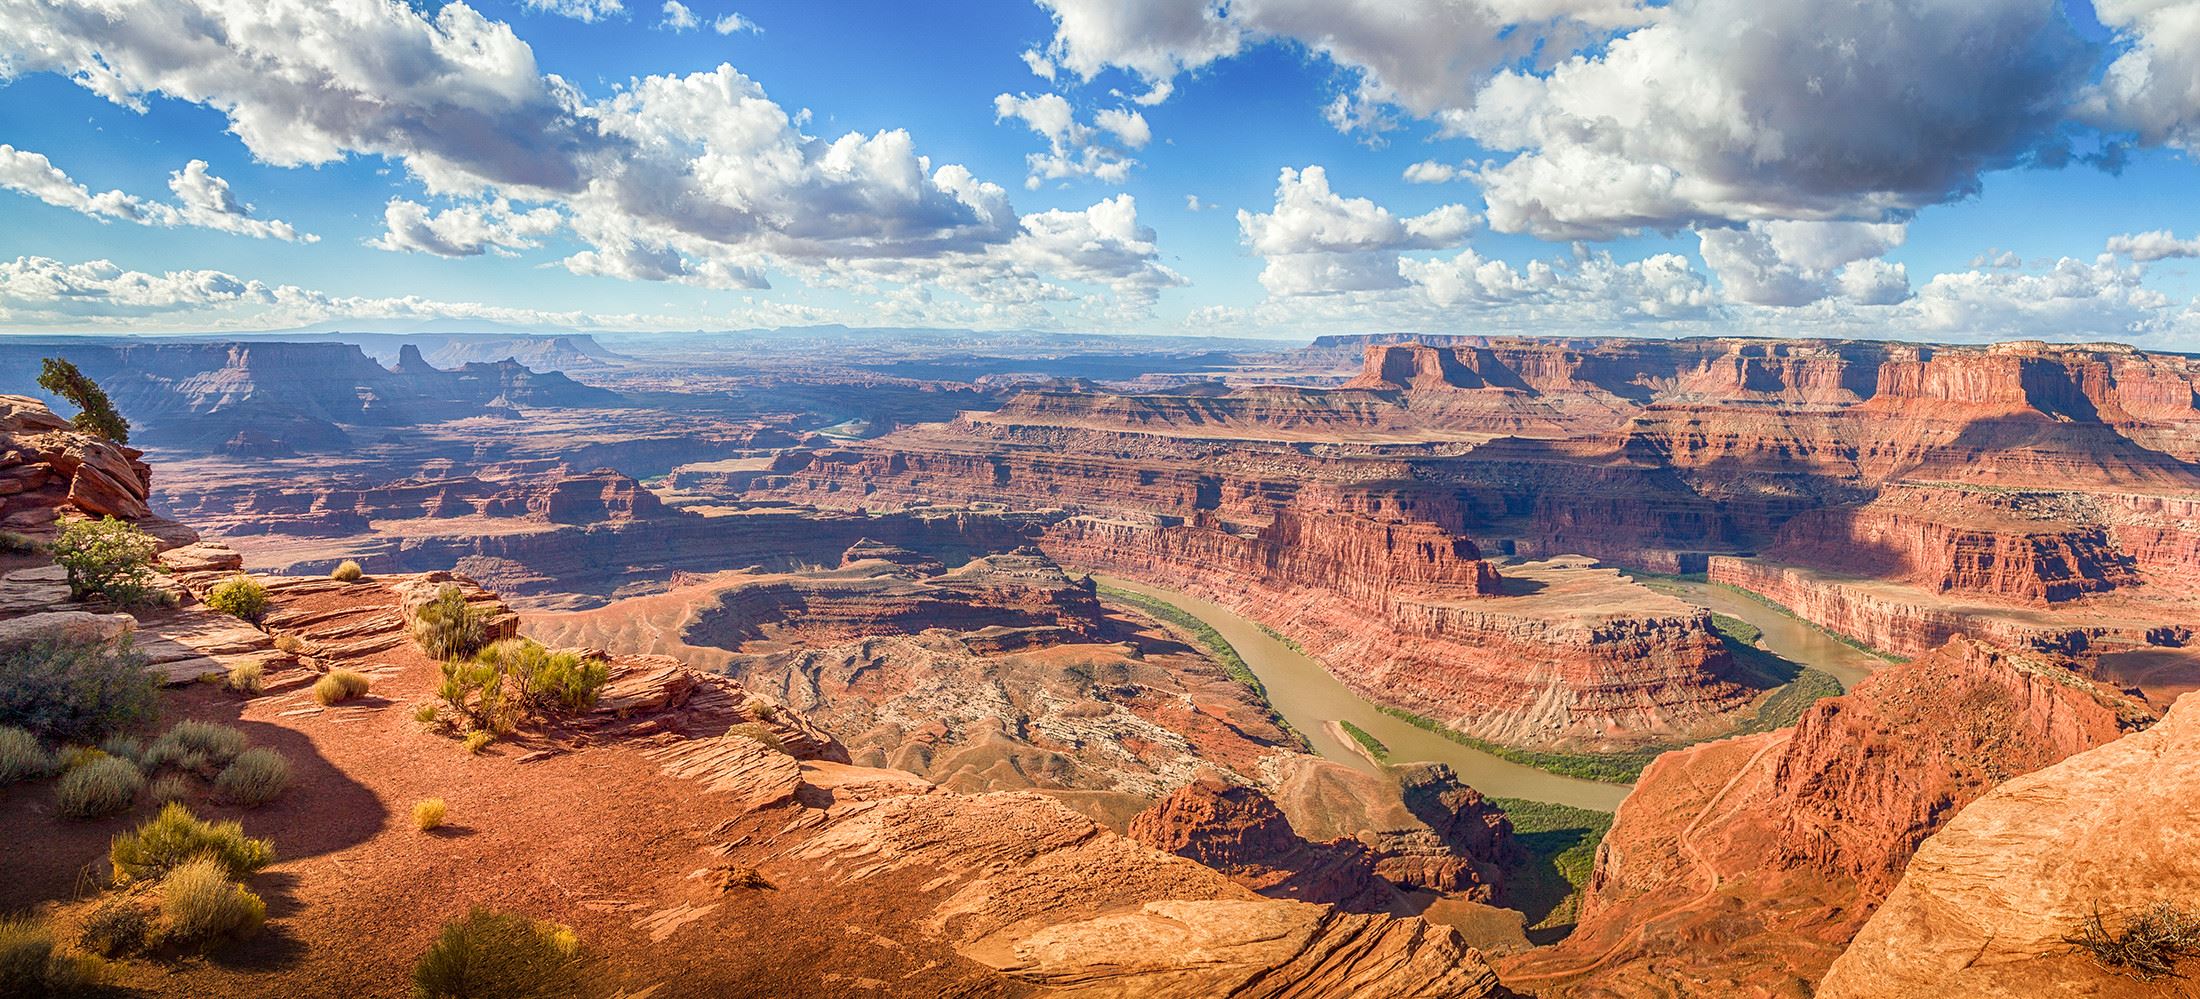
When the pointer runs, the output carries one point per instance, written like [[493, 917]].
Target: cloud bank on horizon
[[1940, 169]]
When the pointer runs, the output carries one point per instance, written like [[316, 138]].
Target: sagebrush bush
[[76, 690], [240, 597], [22, 757], [118, 925], [475, 690], [167, 788], [347, 571], [2148, 947], [428, 814], [102, 787], [32, 963], [200, 905], [72, 757], [247, 678], [448, 627], [255, 777], [196, 746], [174, 836], [494, 954], [339, 685], [129, 747]]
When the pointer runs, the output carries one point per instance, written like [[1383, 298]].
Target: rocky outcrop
[[47, 464], [1237, 830], [1987, 906], [1047, 898], [1866, 776], [1744, 865]]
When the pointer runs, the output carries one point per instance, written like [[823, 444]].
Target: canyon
[[884, 554]]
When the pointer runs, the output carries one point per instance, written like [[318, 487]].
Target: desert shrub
[[339, 685], [428, 814], [542, 681], [167, 788], [33, 964], [199, 904], [129, 747], [762, 733], [478, 740], [427, 714], [255, 777], [448, 627], [75, 690], [495, 954], [290, 643], [109, 558], [22, 757], [2148, 946], [475, 690], [119, 924], [17, 543], [174, 836], [239, 596], [247, 678], [96, 413], [347, 571], [99, 788], [196, 746], [72, 757]]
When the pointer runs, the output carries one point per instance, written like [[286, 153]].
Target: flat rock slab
[[195, 643], [73, 624]]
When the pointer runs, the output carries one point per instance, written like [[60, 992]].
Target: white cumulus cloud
[[678, 17], [1316, 241], [465, 230], [1797, 263], [1100, 150], [697, 176], [203, 200], [2159, 244]]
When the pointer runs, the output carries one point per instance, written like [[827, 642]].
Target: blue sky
[[1914, 169]]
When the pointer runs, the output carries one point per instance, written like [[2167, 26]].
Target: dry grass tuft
[[428, 814], [338, 686]]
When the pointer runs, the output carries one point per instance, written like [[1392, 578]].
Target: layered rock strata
[[1573, 654], [1745, 865]]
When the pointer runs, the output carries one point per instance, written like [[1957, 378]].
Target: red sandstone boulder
[[1237, 830]]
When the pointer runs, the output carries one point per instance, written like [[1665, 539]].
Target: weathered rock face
[[1947, 729], [1237, 830], [49, 470], [1745, 865], [2027, 548], [1986, 907]]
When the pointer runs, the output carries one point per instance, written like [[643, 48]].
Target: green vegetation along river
[[1307, 696]]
